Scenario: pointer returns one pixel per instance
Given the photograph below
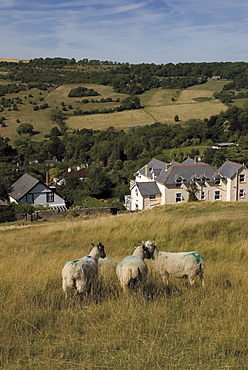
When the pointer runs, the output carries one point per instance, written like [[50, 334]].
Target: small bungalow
[[221, 145], [28, 189]]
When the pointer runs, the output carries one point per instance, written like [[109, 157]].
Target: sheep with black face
[[80, 273], [132, 271], [180, 264]]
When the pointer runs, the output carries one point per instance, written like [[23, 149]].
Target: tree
[[176, 118], [98, 183], [57, 115], [25, 128], [55, 131]]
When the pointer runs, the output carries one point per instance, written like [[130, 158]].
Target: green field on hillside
[[158, 105], [182, 327]]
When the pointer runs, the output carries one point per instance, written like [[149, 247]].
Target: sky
[[133, 31]]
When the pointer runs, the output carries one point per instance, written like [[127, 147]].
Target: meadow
[[181, 327], [158, 105]]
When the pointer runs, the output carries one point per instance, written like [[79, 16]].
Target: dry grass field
[[159, 105], [181, 327]]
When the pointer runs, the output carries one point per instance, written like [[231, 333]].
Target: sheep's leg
[[65, 288], [80, 286], [202, 279], [165, 278], [191, 280]]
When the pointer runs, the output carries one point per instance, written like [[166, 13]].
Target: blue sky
[[160, 31]]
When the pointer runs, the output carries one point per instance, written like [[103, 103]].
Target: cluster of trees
[[82, 91], [130, 102]]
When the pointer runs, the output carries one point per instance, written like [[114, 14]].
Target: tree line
[[125, 78]]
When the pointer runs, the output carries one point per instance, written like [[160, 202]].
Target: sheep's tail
[[133, 282]]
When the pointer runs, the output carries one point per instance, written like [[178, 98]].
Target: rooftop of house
[[3, 204], [169, 173], [229, 169], [148, 188], [22, 186]]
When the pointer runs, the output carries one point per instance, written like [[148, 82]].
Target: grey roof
[[148, 188], [222, 144], [22, 186], [154, 166], [168, 173], [188, 172], [229, 169], [3, 204], [188, 161]]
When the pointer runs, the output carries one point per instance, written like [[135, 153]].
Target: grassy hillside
[[159, 105], [179, 328]]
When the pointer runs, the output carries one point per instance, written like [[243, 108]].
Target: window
[[151, 197], [49, 197], [179, 182], [203, 195], [179, 197], [30, 198], [241, 178], [136, 192], [217, 195], [217, 181], [241, 193]]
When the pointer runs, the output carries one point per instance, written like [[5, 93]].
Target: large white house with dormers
[[159, 183]]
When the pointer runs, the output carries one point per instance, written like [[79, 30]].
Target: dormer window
[[179, 182], [217, 180]]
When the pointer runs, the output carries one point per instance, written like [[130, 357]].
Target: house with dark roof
[[79, 172], [28, 189], [159, 183], [234, 181]]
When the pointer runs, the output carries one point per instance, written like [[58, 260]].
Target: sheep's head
[[150, 245], [100, 249], [147, 253]]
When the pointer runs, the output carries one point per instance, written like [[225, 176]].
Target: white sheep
[[131, 271], [180, 265], [79, 274], [106, 267]]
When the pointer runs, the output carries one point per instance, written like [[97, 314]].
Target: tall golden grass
[[181, 327]]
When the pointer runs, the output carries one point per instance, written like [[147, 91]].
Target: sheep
[[131, 271], [180, 265], [106, 267], [78, 274]]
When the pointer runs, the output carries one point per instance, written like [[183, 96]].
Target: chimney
[[197, 159], [78, 168], [146, 169], [69, 169], [48, 179]]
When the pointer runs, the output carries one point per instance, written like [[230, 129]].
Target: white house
[[28, 189], [159, 183]]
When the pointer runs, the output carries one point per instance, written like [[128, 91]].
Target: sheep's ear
[[93, 244]]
